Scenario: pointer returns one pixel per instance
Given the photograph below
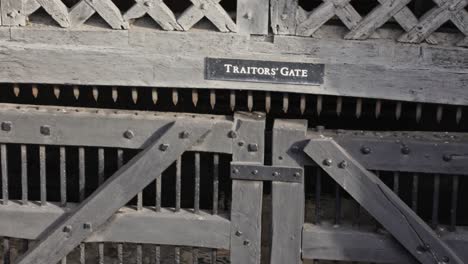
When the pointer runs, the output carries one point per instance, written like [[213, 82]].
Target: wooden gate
[[107, 213], [354, 159]]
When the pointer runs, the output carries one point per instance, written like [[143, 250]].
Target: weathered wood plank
[[384, 205], [370, 69], [99, 127], [57, 10], [118, 190], [109, 12], [246, 208], [145, 226], [252, 17], [158, 10], [287, 198], [12, 13], [283, 16], [80, 13], [212, 10]]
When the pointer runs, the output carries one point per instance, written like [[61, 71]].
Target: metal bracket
[[257, 172]]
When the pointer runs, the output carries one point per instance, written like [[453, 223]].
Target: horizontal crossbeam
[[384, 205], [101, 128], [256, 172], [183, 228], [165, 146], [328, 242]]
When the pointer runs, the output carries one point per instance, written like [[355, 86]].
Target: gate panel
[[72, 131], [352, 241]]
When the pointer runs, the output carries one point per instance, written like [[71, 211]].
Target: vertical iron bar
[[435, 201], [214, 256], [120, 245], [197, 184], [139, 255], [414, 193], [337, 204], [6, 251], [63, 178], [101, 174], [453, 208], [157, 252], [318, 194], [195, 255], [215, 183], [4, 165], [24, 175], [178, 183], [64, 261], [82, 253], [396, 182], [82, 173], [42, 174], [177, 255]]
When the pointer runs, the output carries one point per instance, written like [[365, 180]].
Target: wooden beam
[[101, 127], [328, 242], [384, 205], [130, 226], [370, 69], [253, 17], [68, 232]]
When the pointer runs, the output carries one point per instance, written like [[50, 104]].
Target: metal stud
[[45, 130], [7, 126], [343, 164], [238, 233], [129, 134], [87, 226], [163, 147], [365, 150], [67, 229], [327, 162], [232, 134], [255, 172], [405, 150], [184, 134], [253, 147]]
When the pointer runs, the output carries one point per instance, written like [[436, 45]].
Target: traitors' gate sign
[[263, 71]]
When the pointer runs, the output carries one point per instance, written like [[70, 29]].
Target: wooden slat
[[12, 13], [57, 10], [158, 10], [80, 13], [85, 127], [246, 208], [212, 10], [283, 16], [146, 226], [109, 12], [287, 198], [115, 192], [384, 205], [327, 242], [252, 16]]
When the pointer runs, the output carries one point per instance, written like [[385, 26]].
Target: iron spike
[[249, 101], [57, 92], [398, 109], [115, 94], [195, 97], [35, 91], [267, 102], [358, 108], [16, 90], [76, 92], [378, 108], [212, 99], [175, 96], [134, 95], [95, 93], [232, 100], [285, 103], [303, 103], [339, 105], [154, 95], [440, 113], [459, 114], [319, 104], [418, 112]]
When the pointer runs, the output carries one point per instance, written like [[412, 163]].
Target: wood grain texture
[[246, 208], [253, 17], [283, 16], [146, 226], [287, 198]]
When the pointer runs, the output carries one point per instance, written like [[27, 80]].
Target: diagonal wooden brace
[[384, 205], [67, 232]]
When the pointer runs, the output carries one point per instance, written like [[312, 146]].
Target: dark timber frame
[[345, 156]]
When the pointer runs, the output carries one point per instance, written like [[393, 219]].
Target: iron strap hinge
[[258, 172]]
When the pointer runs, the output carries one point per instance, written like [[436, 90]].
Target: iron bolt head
[[163, 147], [327, 162], [405, 151], [235, 171], [45, 130], [343, 164], [253, 147], [447, 157], [445, 259], [365, 150], [246, 242], [232, 134], [184, 134], [275, 174], [128, 134], [67, 229], [148, 4], [202, 6], [297, 174], [248, 16], [284, 16], [238, 233], [6, 126], [240, 143], [87, 226], [255, 172]]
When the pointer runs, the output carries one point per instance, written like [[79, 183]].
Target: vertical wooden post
[[12, 13], [283, 16], [252, 16], [287, 198], [246, 210]]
